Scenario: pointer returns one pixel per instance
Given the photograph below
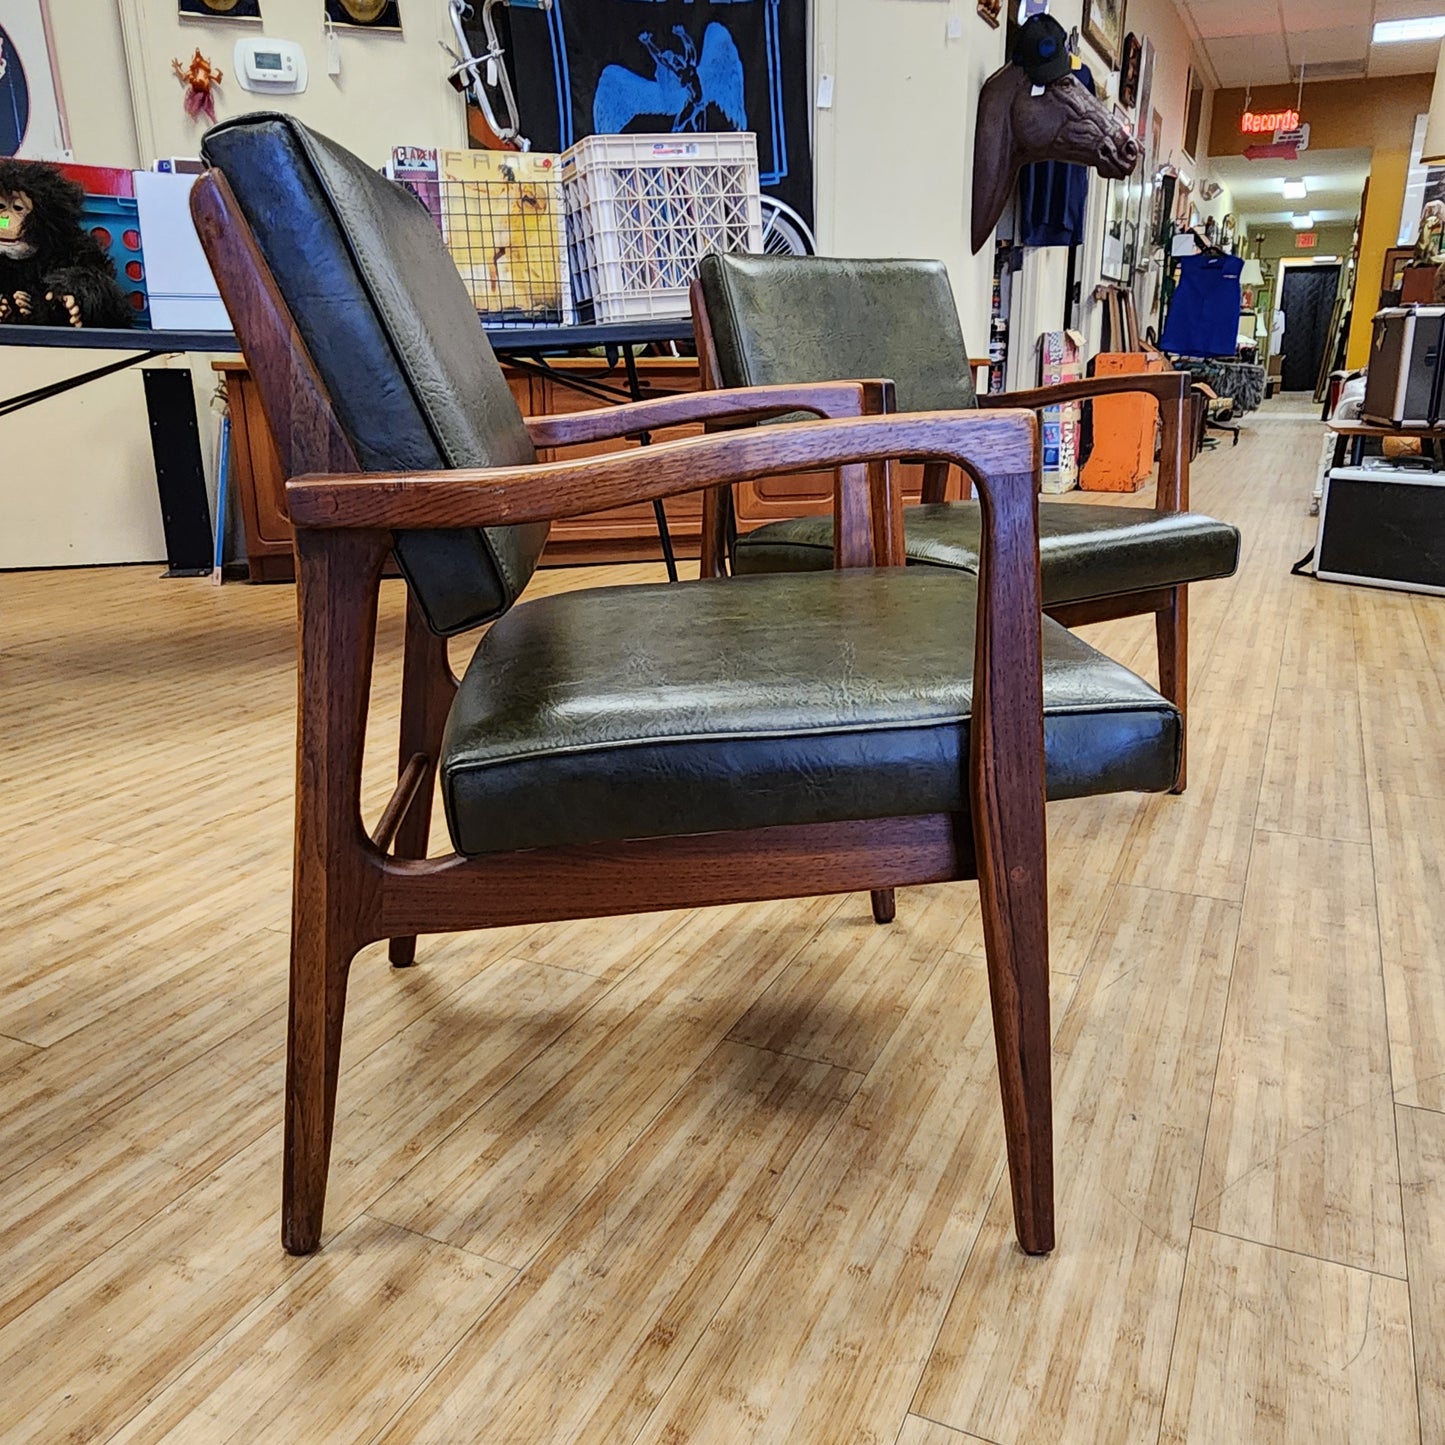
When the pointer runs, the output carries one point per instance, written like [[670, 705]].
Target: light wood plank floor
[[734, 1175]]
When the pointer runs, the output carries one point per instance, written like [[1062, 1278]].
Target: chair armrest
[[1169, 388], [755, 403], [506, 496], [1163, 385]]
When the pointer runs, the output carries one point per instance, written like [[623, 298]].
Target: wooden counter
[[627, 534]]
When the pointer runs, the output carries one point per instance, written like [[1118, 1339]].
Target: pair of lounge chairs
[[622, 749]]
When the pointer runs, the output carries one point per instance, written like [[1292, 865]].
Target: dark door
[[1309, 302]]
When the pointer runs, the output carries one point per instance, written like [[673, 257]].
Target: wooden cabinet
[[627, 534]]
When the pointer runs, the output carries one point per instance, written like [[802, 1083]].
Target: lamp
[[1302, 220], [1252, 275], [1434, 150]]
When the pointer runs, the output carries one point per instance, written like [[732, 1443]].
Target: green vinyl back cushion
[[790, 319], [396, 340]]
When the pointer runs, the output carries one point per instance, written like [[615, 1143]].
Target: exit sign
[[1305, 241]]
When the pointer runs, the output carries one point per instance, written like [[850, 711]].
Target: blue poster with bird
[[644, 67]]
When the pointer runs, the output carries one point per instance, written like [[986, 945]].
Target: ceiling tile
[[1309, 47], [1407, 9], [1417, 59], [1235, 17], [1249, 59], [1323, 14]]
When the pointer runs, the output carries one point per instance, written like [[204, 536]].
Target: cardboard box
[[1061, 358]]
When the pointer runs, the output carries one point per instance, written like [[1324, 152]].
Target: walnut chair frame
[[353, 887]]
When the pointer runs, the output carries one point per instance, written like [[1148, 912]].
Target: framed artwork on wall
[[1193, 115], [364, 14], [1113, 260], [1396, 259], [220, 9], [1104, 28], [32, 119]]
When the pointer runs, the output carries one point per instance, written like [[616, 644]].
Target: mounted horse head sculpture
[[1065, 122]]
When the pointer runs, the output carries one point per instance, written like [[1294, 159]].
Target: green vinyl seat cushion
[[1086, 551], [658, 711]]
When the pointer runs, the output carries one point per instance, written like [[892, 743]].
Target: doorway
[[1308, 302]]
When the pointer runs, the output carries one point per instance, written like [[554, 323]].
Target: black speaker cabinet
[[1383, 526]]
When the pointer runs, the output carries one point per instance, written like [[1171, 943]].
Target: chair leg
[[335, 904], [321, 953], [885, 905], [427, 689], [1171, 632], [1017, 949]]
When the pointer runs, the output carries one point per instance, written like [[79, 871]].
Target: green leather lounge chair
[[623, 749], [762, 320]]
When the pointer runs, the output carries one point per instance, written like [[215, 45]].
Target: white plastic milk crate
[[643, 210]]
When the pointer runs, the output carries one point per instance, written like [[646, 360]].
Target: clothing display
[[1204, 317]]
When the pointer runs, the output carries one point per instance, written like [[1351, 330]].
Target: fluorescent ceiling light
[[1295, 190], [1302, 222], [1424, 27]]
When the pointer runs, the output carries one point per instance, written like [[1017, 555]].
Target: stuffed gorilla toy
[[52, 271]]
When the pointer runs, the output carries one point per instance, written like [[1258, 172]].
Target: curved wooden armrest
[[506, 496], [1163, 385], [754, 403], [1169, 388]]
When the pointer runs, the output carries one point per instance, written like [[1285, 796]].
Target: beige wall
[[390, 91], [80, 485], [894, 160], [894, 155]]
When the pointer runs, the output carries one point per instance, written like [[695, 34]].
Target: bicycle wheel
[[785, 232]]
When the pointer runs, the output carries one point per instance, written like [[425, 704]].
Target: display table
[[1351, 436], [175, 430]]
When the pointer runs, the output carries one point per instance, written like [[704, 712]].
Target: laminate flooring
[[734, 1174]]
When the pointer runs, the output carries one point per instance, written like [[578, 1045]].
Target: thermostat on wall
[[274, 66]]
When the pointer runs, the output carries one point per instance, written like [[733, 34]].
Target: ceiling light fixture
[[1302, 221], [1295, 190], [1424, 27]]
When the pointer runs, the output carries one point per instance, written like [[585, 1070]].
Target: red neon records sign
[[1269, 121]]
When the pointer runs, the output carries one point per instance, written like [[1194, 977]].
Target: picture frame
[[1104, 28], [364, 14], [219, 10], [32, 112], [1114, 258], [1396, 259]]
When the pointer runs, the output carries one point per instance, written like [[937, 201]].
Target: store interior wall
[[1342, 114], [80, 483], [894, 160]]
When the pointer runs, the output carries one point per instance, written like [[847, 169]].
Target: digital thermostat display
[[271, 65]]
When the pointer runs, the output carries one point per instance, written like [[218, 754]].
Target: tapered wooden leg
[[885, 905], [321, 953], [1015, 932], [1171, 631], [335, 907], [427, 689], [1006, 793]]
